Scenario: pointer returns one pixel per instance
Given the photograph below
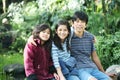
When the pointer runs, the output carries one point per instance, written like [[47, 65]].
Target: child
[[37, 61], [63, 62], [82, 48]]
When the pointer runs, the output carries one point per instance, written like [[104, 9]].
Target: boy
[[82, 48]]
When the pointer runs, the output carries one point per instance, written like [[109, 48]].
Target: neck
[[42, 42], [62, 41], [79, 34]]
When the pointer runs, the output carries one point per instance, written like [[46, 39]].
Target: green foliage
[[108, 49], [96, 23], [24, 16], [6, 58]]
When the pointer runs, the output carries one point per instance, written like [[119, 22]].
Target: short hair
[[80, 15]]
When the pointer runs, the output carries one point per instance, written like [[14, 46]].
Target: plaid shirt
[[82, 48]]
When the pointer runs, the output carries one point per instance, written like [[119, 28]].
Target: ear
[[85, 25], [55, 31]]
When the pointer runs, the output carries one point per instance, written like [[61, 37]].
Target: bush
[[108, 49]]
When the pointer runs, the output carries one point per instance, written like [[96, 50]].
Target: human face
[[44, 35], [79, 25], [62, 32]]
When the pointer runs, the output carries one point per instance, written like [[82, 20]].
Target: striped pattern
[[82, 48], [59, 54]]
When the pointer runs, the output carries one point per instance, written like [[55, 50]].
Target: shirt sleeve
[[55, 56], [93, 43], [28, 59]]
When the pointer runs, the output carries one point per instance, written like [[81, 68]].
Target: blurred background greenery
[[23, 15]]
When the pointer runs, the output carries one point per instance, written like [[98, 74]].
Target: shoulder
[[53, 45], [88, 34], [29, 46], [72, 30]]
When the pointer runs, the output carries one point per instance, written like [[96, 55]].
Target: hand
[[111, 75], [62, 78], [56, 76], [31, 40]]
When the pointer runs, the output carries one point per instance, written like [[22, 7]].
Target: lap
[[87, 73], [72, 77]]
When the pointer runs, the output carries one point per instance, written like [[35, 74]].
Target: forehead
[[46, 30], [78, 19], [62, 27]]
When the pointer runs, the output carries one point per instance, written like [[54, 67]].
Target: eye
[[48, 32], [65, 30], [43, 31], [77, 21], [59, 29]]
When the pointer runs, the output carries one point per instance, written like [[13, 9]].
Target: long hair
[[56, 39], [40, 28]]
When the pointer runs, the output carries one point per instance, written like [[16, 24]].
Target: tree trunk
[[105, 18], [4, 6]]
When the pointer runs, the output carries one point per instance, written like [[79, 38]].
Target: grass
[[7, 58]]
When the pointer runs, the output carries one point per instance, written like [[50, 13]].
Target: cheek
[[67, 33], [49, 36], [40, 35], [58, 33]]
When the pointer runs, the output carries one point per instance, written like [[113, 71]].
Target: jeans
[[64, 69], [68, 66], [72, 77], [87, 73], [68, 69]]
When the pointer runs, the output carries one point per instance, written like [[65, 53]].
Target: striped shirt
[[57, 54], [82, 48]]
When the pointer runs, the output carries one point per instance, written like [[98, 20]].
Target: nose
[[62, 31], [46, 34]]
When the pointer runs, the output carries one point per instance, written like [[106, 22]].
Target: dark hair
[[56, 39], [40, 28], [80, 15]]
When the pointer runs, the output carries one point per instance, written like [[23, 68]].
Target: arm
[[59, 71], [56, 62], [31, 40], [94, 40], [95, 57], [28, 62], [53, 71], [96, 60]]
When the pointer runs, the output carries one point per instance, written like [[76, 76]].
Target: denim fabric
[[87, 73], [64, 69], [68, 66], [71, 63], [72, 77]]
